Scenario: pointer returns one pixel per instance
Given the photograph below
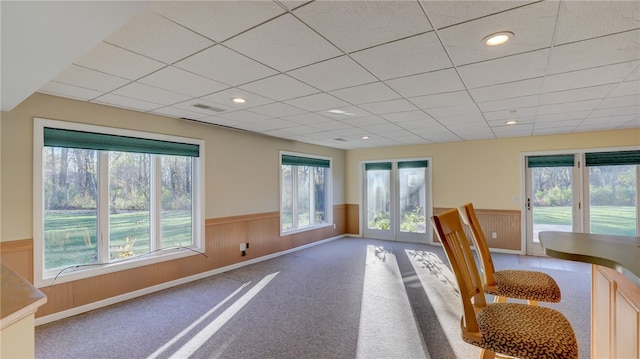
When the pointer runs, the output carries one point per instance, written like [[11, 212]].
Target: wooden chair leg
[[499, 299], [487, 354]]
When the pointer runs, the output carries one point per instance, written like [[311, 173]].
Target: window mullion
[[103, 207], [294, 196], [312, 195], [156, 203]]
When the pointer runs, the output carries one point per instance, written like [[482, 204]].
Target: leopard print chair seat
[[513, 329], [532, 286]]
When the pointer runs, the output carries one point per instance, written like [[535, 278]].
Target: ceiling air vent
[[340, 139], [207, 107]]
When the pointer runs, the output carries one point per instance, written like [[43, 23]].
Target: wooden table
[[615, 287]]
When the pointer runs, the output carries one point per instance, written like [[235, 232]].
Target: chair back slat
[[468, 216], [456, 246]]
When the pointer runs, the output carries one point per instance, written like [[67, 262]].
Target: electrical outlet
[[243, 246], [494, 235]]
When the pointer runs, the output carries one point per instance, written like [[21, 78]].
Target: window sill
[[305, 229], [73, 273]]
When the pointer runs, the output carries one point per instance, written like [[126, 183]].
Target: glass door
[[395, 200], [377, 200], [552, 201]]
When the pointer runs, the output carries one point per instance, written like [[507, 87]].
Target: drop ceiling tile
[[277, 109], [280, 88], [427, 84], [469, 109], [331, 125], [179, 113], [601, 51], [509, 115], [385, 129], [585, 93], [224, 65], [406, 116], [410, 56], [557, 124], [513, 131], [355, 25], [507, 90], [284, 44], [308, 118], [507, 69], [317, 102], [498, 123], [391, 106], [302, 130], [184, 82], [154, 36], [419, 124], [627, 88], [150, 94], [510, 103], [446, 13], [622, 101], [224, 98], [618, 111], [333, 74], [272, 124], [442, 100], [568, 107], [577, 19], [365, 121], [217, 20], [590, 77], [118, 62], [559, 117], [463, 121], [477, 135], [373, 92], [553, 130], [90, 79], [532, 25], [126, 102], [244, 116], [70, 91]]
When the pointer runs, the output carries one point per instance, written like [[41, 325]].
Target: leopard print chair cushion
[[528, 285], [526, 331]]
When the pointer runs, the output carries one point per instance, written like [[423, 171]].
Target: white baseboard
[[144, 291]]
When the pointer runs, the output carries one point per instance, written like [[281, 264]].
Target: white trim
[[140, 292]]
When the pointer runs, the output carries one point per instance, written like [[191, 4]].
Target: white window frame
[[328, 194], [42, 278]]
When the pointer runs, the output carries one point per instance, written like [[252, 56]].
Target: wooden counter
[[19, 301], [615, 287]]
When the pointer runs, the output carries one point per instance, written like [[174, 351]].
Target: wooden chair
[[532, 286], [514, 329]]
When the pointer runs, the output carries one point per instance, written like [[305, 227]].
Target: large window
[[109, 199], [305, 198]]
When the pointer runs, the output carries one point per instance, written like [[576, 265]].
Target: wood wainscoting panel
[[353, 219], [505, 223], [18, 255]]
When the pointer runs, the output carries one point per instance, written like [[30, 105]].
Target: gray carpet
[[349, 298]]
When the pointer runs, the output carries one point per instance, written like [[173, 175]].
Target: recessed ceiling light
[[498, 38], [238, 100], [365, 137], [511, 122], [337, 111]]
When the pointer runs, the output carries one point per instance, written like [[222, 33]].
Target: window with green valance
[[615, 158], [289, 160], [56, 137], [550, 161]]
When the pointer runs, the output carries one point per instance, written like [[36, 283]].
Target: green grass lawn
[[70, 236], [618, 220]]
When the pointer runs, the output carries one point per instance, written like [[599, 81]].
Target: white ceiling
[[402, 72]]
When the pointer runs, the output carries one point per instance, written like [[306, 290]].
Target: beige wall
[[241, 168], [487, 173]]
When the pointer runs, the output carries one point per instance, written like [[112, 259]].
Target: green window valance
[[613, 158], [305, 161], [377, 166], [550, 161], [55, 137], [414, 164]]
